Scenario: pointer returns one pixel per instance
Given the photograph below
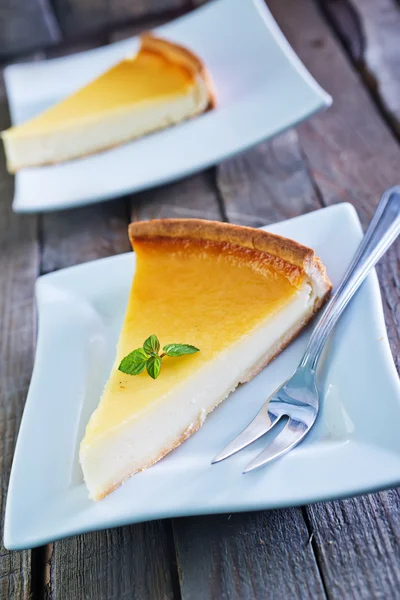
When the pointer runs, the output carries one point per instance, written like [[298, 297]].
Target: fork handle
[[381, 233]]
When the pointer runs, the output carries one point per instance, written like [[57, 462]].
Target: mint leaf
[[153, 366], [149, 358], [134, 363], [151, 345], [179, 349]]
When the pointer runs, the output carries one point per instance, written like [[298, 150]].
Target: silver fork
[[298, 398]]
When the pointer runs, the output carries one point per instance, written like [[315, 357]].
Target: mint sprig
[[148, 357]]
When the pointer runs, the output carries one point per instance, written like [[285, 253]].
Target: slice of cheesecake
[[240, 295], [160, 86]]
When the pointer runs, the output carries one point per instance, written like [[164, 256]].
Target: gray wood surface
[[344, 549], [268, 183], [194, 197], [19, 262], [72, 237], [77, 17], [31, 25], [26, 26], [370, 31], [247, 556], [357, 544], [351, 152], [129, 563]]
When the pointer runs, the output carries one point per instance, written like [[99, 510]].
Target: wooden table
[[344, 549]]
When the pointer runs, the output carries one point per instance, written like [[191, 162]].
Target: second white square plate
[[262, 88], [348, 451]]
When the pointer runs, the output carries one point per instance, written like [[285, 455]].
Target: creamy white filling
[[142, 441], [116, 127]]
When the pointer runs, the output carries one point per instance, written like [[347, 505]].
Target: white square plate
[[262, 88], [349, 451]]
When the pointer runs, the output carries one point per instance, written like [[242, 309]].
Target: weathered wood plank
[[370, 31], [83, 234], [358, 543], [353, 157], [267, 184], [133, 30], [247, 557], [351, 153], [25, 26], [128, 563], [341, 13], [77, 17], [193, 197], [19, 264]]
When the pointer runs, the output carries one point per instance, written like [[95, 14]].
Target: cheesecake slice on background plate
[[261, 88], [162, 85]]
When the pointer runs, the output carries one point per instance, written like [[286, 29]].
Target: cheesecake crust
[[182, 56], [290, 258]]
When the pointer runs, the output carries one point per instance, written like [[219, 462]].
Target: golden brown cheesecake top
[[159, 71], [198, 282]]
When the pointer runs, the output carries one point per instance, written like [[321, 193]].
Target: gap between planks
[[368, 31]]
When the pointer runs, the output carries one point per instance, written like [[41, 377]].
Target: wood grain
[[77, 17], [193, 197], [358, 543], [25, 26], [83, 234], [247, 557], [267, 184], [345, 20], [19, 263], [351, 152], [129, 563], [370, 31]]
